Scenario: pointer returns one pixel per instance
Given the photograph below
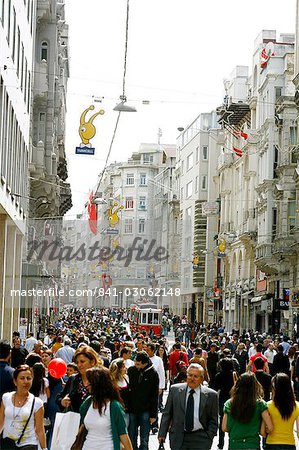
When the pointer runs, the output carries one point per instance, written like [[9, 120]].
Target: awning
[[256, 299]]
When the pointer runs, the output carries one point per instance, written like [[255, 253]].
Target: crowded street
[[88, 352], [149, 225]]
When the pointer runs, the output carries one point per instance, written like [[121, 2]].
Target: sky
[[179, 53]]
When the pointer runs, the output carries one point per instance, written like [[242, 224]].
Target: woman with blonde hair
[[118, 372], [244, 412], [75, 390]]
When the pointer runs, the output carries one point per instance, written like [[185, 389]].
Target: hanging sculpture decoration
[[87, 131], [113, 216], [195, 260], [106, 282], [221, 247]]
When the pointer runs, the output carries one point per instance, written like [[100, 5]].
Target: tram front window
[[150, 318]]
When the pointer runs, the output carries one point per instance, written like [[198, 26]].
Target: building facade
[[17, 39]]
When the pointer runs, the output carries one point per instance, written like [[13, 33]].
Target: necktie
[[189, 419]]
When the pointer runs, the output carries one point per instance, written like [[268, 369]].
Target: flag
[[237, 151], [264, 58], [242, 134], [92, 214]]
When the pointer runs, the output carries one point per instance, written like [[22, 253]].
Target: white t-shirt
[[15, 419], [99, 429], [43, 395]]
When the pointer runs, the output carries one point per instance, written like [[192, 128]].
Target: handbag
[[65, 430], [10, 444], [80, 438]]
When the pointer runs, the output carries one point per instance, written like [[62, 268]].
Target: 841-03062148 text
[[139, 292]]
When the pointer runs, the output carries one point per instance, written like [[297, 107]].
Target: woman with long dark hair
[[243, 414], [40, 384], [224, 381], [284, 411], [102, 413]]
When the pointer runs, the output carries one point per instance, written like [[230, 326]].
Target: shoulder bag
[[10, 444]]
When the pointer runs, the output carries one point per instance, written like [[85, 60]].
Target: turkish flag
[[92, 214]]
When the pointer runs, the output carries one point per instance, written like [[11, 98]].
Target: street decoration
[[113, 216], [266, 53], [106, 281], [92, 211], [222, 247], [87, 131], [195, 260], [239, 134]]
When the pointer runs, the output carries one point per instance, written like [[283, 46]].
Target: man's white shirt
[[159, 367]]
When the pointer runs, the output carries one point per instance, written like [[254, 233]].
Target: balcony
[[43, 10], [283, 246], [41, 80], [225, 160], [264, 259]]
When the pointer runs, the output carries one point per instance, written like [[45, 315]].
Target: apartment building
[[17, 37], [257, 187], [196, 165], [49, 193]]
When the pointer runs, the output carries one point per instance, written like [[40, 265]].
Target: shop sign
[[281, 304]]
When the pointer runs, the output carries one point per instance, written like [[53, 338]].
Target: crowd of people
[[245, 384]]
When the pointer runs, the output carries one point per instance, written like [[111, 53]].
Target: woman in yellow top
[[284, 411]]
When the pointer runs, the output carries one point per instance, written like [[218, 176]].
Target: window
[[293, 135], [197, 155], [182, 194], [128, 226], [205, 152], [277, 92], [188, 219], [182, 167], [188, 247], [44, 51], [130, 179], [142, 203], [25, 80], [141, 226], [196, 183], [18, 52], [8, 21], [22, 66], [189, 161], [143, 179], [41, 126], [275, 161], [14, 35], [148, 158], [189, 189], [3, 12], [291, 216], [29, 91], [129, 203], [204, 182], [274, 223]]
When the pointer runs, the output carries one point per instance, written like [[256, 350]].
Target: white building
[[196, 165], [17, 23]]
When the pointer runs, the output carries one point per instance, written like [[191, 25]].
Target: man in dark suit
[[191, 413]]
